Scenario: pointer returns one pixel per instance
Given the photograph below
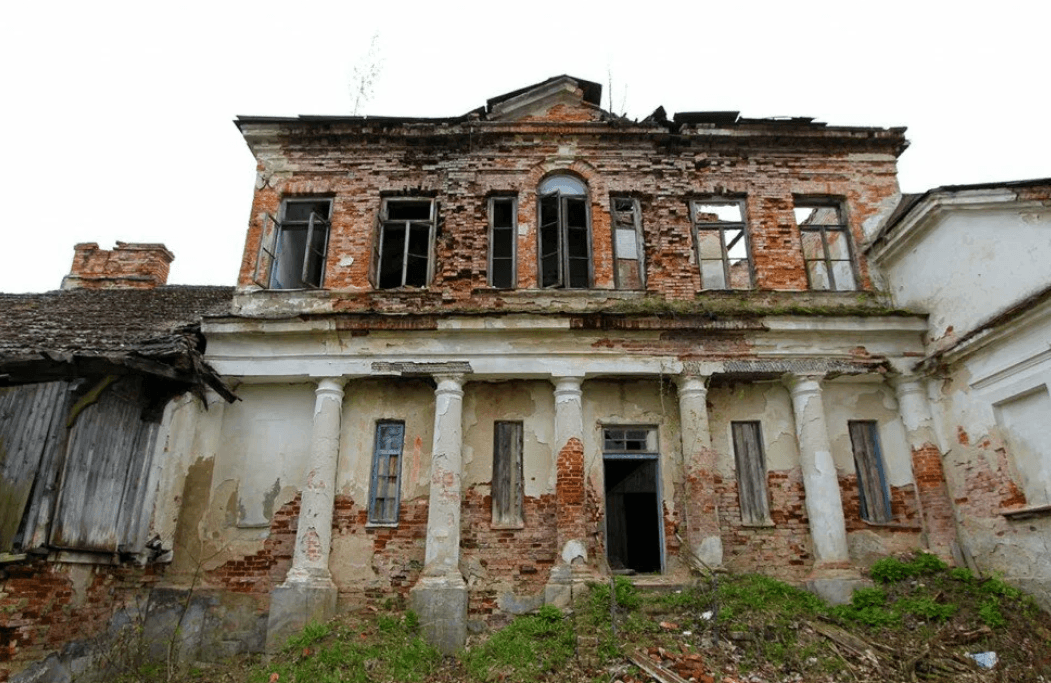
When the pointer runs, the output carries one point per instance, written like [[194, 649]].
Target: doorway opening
[[632, 485]]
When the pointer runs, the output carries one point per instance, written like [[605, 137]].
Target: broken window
[[630, 273], [507, 474], [634, 526], [502, 238], [750, 461], [826, 246], [565, 233], [406, 243], [722, 243], [868, 463], [1026, 421], [385, 491], [292, 250]]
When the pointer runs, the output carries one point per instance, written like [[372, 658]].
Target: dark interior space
[[632, 521]]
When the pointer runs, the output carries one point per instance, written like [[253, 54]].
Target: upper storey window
[[502, 238], [292, 250], [826, 245], [565, 233], [630, 272], [722, 243], [406, 243]]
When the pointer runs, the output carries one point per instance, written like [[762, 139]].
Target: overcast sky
[[116, 117]]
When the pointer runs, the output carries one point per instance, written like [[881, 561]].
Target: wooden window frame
[[514, 239], [750, 467], [721, 227], [563, 200], [381, 462], [268, 260], [508, 457], [873, 492], [841, 227], [385, 223], [618, 223]]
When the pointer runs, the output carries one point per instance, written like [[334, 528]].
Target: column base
[[566, 583], [710, 551], [835, 586], [295, 604], [441, 604]]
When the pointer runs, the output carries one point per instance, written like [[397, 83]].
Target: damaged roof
[[80, 332]]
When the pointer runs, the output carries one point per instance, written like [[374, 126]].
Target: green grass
[[529, 646]]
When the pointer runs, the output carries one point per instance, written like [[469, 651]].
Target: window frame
[[636, 227], [512, 517], [379, 455], [270, 243], [864, 472], [491, 206], [563, 200], [384, 222], [754, 505], [720, 227], [841, 226]]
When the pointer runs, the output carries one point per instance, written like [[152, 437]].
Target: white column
[[569, 411], [702, 513], [915, 411], [823, 502], [314, 533], [442, 556], [570, 478]]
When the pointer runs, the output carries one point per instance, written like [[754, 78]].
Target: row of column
[[441, 575]]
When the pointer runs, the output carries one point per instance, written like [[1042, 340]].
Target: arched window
[[564, 239]]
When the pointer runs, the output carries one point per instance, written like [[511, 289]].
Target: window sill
[[510, 526], [892, 525], [381, 525], [1027, 512], [759, 525]]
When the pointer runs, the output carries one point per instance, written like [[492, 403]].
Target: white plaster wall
[[172, 458], [846, 401], [770, 404], [532, 403], [265, 445], [972, 264]]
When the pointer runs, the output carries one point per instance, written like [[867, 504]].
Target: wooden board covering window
[[868, 463], [385, 491], [507, 474], [751, 473]]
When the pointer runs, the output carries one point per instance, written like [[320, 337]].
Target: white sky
[[116, 116]]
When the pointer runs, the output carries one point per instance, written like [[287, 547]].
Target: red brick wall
[[938, 515], [461, 168], [43, 605], [137, 266], [903, 508]]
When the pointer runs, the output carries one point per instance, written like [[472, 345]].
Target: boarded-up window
[[627, 244], [751, 473], [502, 238], [507, 474], [868, 463], [385, 491]]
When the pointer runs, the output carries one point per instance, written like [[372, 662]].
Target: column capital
[[567, 384], [449, 383], [907, 384], [330, 386], [692, 384], [800, 384]]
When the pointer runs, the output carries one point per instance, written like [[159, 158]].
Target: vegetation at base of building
[[917, 621]]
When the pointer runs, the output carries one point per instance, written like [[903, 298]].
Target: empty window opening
[[868, 463], [634, 529], [406, 243], [1026, 421], [502, 238], [385, 490], [722, 243], [826, 246], [292, 250], [507, 474], [565, 233], [630, 273], [750, 460]]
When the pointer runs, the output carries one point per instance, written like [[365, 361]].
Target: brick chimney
[[127, 266]]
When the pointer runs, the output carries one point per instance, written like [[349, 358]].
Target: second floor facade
[[543, 193]]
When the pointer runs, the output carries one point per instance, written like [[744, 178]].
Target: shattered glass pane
[[717, 212], [812, 248], [712, 275], [818, 273], [843, 272]]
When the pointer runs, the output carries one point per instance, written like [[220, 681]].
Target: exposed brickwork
[[782, 550], [260, 572], [47, 604], [569, 492], [136, 266], [904, 513], [518, 561], [462, 167], [938, 516], [989, 488]]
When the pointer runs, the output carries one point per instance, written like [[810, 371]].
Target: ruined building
[[481, 360]]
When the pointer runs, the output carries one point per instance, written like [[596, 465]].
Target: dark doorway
[[633, 522]]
